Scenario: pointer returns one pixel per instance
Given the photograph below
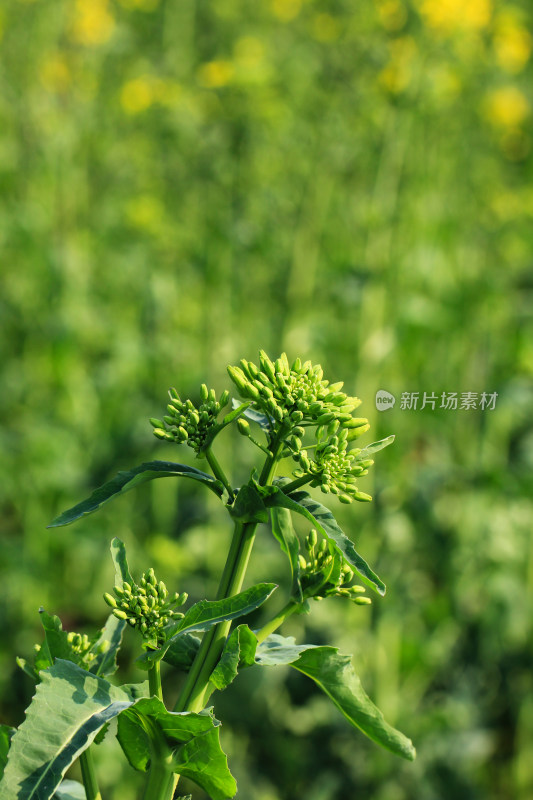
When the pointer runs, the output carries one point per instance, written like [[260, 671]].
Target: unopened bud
[[362, 601], [119, 613], [110, 600], [362, 497], [302, 562], [224, 397], [243, 427], [204, 392]]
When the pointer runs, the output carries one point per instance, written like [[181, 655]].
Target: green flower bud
[[297, 365], [243, 426], [119, 613], [302, 562], [312, 538], [110, 600], [345, 498], [362, 601], [224, 397], [362, 497], [238, 378], [119, 591], [182, 434], [127, 588], [204, 392], [161, 434], [297, 416], [156, 423]]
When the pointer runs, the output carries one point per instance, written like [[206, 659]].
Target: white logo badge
[[384, 400]]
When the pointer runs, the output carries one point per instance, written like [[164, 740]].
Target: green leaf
[[335, 675], [249, 506], [6, 732], [284, 532], [55, 643], [106, 647], [370, 449], [70, 790], [127, 480], [68, 709], [278, 650], [192, 738], [206, 613], [182, 651], [321, 517], [265, 422], [239, 651], [118, 554]]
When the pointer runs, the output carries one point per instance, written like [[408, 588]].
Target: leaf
[[107, 646], [206, 613], [277, 650], [370, 449], [70, 790], [239, 650], [118, 554], [265, 422], [68, 709], [335, 675], [284, 532], [193, 739], [249, 506], [302, 503], [55, 645], [182, 651], [6, 732], [124, 481]]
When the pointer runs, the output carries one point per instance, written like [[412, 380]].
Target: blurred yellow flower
[[392, 14], [396, 76], [507, 107], [141, 5], [512, 43], [137, 95], [213, 74], [447, 16], [286, 9], [92, 23], [145, 212], [54, 73], [326, 28]]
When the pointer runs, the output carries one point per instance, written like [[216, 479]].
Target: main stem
[[88, 774], [193, 693]]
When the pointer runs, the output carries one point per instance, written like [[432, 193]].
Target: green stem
[[218, 472], [154, 680], [88, 774], [291, 607], [295, 484], [162, 780], [194, 689]]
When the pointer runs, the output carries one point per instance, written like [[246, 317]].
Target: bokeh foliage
[[185, 182]]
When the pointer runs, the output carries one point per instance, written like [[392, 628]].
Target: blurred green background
[[184, 182]]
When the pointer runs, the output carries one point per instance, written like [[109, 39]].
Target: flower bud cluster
[[188, 423], [146, 606], [295, 397], [334, 469], [319, 578], [80, 648], [294, 394]]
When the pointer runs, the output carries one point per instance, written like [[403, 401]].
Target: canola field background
[[184, 182]]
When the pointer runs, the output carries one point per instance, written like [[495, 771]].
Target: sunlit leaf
[[321, 517], [239, 650], [68, 709], [283, 531], [192, 739], [207, 613], [334, 674], [124, 481]]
